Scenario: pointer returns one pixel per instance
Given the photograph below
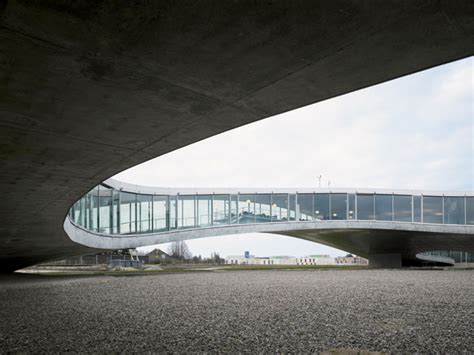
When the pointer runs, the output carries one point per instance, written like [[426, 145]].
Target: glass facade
[[383, 207], [469, 210], [204, 210], [365, 207], [279, 207], [304, 207], [186, 211], [160, 213], [454, 210], [321, 206], [351, 210], [338, 206], [432, 209], [220, 209], [416, 208], [263, 204], [402, 208], [246, 209], [109, 211]]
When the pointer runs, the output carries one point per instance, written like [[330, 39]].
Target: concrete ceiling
[[90, 88]]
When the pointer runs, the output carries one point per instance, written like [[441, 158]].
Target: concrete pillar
[[388, 261]]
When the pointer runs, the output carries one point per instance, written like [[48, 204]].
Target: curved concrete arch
[[386, 242], [101, 87]]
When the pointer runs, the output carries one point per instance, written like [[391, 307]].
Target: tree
[[215, 258], [179, 250]]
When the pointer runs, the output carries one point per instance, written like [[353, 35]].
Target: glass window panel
[[321, 206], [262, 208], [383, 207], [279, 207], [173, 214], [220, 209], [338, 206], [115, 212], [470, 210], [402, 208], [144, 213], [351, 206], [94, 208], [292, 207], [305, 206], [204, 210], [233, 209], [160, 213], [432, 209], [85, 207], [416, 208], [127, 213], [454, 210], [186, 209], [105, 209], [246, 208], [365, 206], [77, 214]]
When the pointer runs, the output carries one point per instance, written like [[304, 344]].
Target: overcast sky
[[416, 132]]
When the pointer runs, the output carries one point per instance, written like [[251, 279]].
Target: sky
[[415, 132]]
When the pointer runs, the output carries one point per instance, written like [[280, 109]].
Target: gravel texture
[[247, 311]]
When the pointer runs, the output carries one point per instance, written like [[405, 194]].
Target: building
[[154, 257], [291, 260], [315, 260], [350, 259]]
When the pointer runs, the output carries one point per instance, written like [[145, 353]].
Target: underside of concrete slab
[[91, 88]]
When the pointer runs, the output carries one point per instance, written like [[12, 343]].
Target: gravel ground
[[248, 311]]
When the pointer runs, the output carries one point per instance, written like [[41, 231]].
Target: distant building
[[316, 260], [351, 260], [291, 260], [154, 257]]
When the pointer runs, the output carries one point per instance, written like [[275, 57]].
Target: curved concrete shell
[[91, 88]]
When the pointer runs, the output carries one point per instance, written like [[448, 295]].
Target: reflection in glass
[[470, 210], [416, 208], [279, 207], [128, 213], [186, 211], [351, 206], [292, 198], [221, 209], [304, 207], [383, 207], [173, 212], [338, 206], [144, 216], [246, 208], [115, 211], [110, 211], [234, 210], [204, 210], [321, 206], [160, 213], [93, 205], [105, 209], [365, 206], [262, 208], [454, 210], [432, 209], [402, 208]]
